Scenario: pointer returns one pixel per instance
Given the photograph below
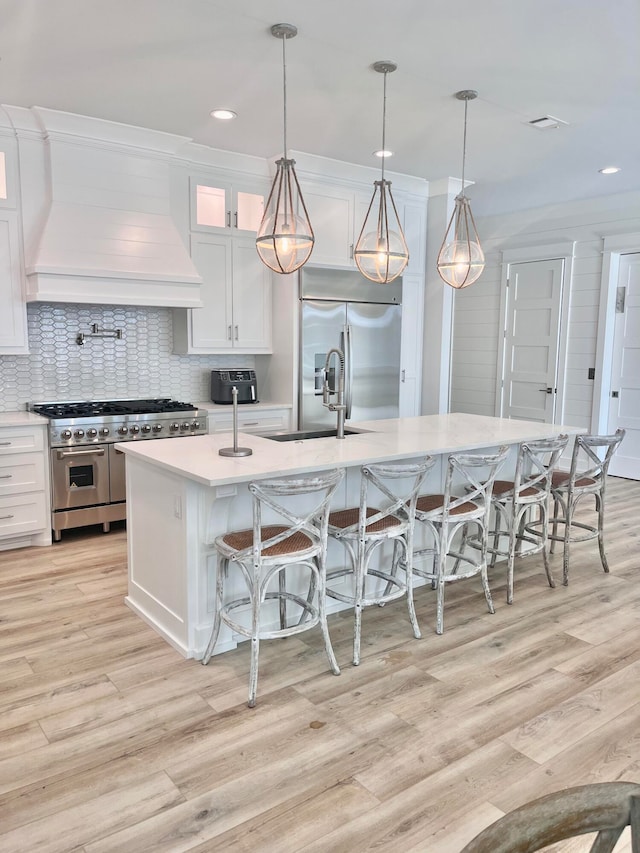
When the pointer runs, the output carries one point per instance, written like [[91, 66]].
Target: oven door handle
[[99, 451]]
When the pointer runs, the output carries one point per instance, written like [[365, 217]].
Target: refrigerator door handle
[[348, 369]]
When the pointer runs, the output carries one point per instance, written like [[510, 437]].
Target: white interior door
[[532, 333], [624, 404]]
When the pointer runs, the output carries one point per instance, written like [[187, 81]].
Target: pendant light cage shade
[[381, 253], [461, 259], [285, 238]]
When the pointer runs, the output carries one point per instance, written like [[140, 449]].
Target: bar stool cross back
[[265, 553]]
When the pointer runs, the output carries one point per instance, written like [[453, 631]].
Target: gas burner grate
[[88, 409]]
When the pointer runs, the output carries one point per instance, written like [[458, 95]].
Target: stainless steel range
[[87, 472]]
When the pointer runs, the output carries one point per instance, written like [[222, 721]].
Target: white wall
[[477, 335]]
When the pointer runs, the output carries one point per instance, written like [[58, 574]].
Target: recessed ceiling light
[[609, 170], [383, 153], [224, 115]]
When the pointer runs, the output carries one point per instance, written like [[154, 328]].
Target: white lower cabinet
[[236, 291], [24, 488], [264, 420]]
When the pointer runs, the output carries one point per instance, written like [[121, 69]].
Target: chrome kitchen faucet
[[339, 406]]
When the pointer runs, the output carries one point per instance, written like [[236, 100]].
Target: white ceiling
[[165, 64]]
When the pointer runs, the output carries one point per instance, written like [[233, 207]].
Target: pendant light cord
[[284, 90], [384, 120], [464, 142]]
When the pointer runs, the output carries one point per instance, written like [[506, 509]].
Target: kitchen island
[[182, 494]]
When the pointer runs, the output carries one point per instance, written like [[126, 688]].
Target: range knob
[[104, 430], [79, 433], [174, 427], [157, 427], [92, 433], [134, 429], [122, 430], [195, 425], [146, 428], [185, 426], [66, 434]]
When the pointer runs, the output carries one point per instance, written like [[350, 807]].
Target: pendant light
[[285, 236], [381, 252], [461, 259]]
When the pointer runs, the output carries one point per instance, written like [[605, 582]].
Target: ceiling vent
[[547, 122]]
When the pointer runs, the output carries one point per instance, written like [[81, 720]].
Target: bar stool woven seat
[[282, 563], [364, 529]]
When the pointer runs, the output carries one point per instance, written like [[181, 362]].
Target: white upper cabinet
[[13, 309], [413, 215], [331, 213], [236, 292], [13, 314], [226, 208]]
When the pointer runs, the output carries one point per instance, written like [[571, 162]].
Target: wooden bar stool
[[587, 477], [263, 555], [364, 529], [466, 500], [605, 808], [514, 500]]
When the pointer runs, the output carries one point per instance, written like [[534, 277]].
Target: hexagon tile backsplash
[[141, 364]]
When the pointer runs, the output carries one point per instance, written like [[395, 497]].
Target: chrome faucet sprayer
[[339, 406]]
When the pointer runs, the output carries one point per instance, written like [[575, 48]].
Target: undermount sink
[[302, 435]]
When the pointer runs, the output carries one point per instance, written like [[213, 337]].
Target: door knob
[[546, 390]]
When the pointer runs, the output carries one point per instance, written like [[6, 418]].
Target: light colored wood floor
[[110, 741]]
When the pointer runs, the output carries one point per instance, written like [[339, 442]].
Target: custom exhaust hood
[[106, 234]]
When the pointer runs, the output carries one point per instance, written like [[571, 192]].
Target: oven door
[[80, 476], [117, 480]]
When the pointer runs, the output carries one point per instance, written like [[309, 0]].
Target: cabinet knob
[[236, 333]]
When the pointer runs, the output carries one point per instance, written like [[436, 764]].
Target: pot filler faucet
[[339, 406]]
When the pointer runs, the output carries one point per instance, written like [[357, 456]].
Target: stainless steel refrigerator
[[340, 308]]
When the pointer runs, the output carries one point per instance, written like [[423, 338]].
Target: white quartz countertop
[[222, 408], [13, 419], [197, 457]]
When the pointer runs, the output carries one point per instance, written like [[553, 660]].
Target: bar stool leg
[[357, 610], [322, 611], [442, 556], [567, 543], [511, 551], [554, 529], [255, 645], [282, 601], [486, 589], [544, 518], [217, 620], [603, 556], [407, 546]]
